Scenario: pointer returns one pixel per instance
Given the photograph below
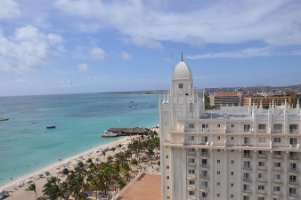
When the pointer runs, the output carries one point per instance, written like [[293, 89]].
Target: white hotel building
[[235, 153]]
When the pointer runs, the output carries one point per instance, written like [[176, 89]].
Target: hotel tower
[[233, 153]]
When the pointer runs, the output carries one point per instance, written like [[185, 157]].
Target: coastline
[[53, 166]]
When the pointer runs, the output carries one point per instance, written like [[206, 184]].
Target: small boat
[[3, 119], [50, 126], [109, 134]]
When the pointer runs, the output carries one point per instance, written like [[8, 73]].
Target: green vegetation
[[104, 177]]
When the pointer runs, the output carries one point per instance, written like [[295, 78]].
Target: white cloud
[[97, 53], [83, 67], [9, 9], [275, 22], [244, 53], [125, 55], [28, 48]]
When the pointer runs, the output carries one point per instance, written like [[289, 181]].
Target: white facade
[[239, 153]]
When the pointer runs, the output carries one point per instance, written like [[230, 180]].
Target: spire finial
[[182, 57]]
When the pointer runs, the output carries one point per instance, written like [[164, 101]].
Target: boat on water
[[109, 134], [3, 119], [50, 126]]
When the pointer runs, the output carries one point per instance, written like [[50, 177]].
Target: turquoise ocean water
[[26, 145]]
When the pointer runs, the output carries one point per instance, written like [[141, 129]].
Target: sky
[[80, 46]]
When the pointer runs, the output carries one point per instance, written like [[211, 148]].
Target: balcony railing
[[246, 179], [276, 180], [277, 168], [293, 196], [294, 157], [205, 176], [262, 180], [247, 167], [191, 164], [261, 191], [261, 167], [206, 166], [205, 154], [262, 156], [293, 182], [247, 155], [277, 156], [247, 191], [293, 170], [293, 131]]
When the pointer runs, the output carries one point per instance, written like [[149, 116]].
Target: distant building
[[231, 153], [225, 98], [267, 101]]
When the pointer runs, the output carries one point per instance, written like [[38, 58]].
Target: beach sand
[[17, 187]]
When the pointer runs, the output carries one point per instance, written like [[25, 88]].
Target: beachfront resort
[[231, 153]]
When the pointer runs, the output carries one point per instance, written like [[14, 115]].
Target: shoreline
[[62, 162]]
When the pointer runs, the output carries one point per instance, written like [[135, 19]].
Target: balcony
[[293, 196], [246, 179], [276, 181], [191, 164], [294, 131], [204, 154], [293, 170], [262, 156], [247, 167], [204, 188], [191, 197], [204, 176], [261, 131], [191, 176], [293, 182], [261, 168], [191, 187], [247, 155], [205, 166], [262, 180], [277, 156], [294, 157], [277, 193], [261, 192], [192, 153], [247, 191], [277, 168]]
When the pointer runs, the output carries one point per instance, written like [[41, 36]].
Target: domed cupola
[[182, 71]]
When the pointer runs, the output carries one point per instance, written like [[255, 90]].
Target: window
[[261, 164], [293, 128], [191, 171], [277, 127], [246, 198], [232, 138], [292, 179], [191, 193], [218, 161], [191, 182], [277, 140], [190, 125], [232, 173], [219, 138], [168, 187], [261, 126], [261, 139], [260, 187], [247, 127], [218, 195], [166, 156], [218, 172], [204, 126], [232, 126], [191, 138], [293, 166], [276, 189], [277, 164], [218, 125], [247, 164], [191, 161], [232, 184], [232, 161], [276, 176], [232, 196], [260, 198], [292, 191], [293, 141], [181, 85], [204, 139], [247, 140], [260, 175], [167, 167], [218, 183], [167, 177]]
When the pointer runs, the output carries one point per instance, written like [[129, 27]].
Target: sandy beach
[[17, 187]]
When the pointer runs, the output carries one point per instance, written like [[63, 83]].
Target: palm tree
[[32, 187], [51, 188]]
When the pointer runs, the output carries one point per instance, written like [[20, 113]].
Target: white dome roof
[[182, 71]]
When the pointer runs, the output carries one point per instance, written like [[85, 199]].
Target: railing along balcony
[[246, 179]]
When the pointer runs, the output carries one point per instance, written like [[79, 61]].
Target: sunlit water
[[26, 145]]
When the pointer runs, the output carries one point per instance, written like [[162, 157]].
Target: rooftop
[[147, 187]]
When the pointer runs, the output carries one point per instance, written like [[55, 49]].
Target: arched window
[[181, 85]]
